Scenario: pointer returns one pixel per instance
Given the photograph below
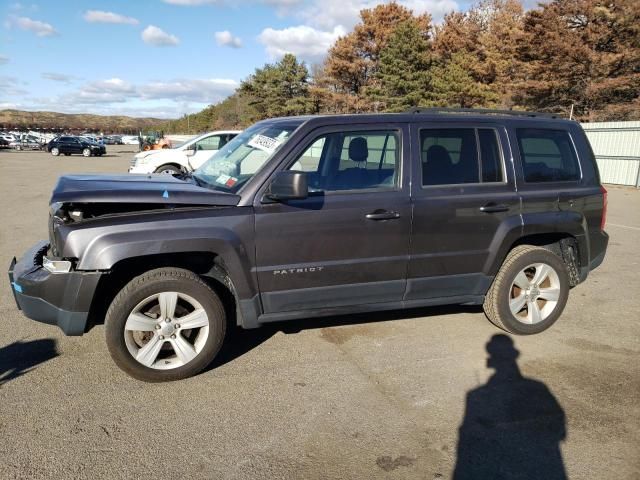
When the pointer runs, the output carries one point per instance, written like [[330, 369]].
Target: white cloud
[[158, 37], [4, 59], [41, 29], [17, 6], [11, 86], [326, 20], [303, 41], [190, 90], [100, 16], [437, 8], [57, 77], [9, 106], [226, 39], [115, 91], [327, 14]]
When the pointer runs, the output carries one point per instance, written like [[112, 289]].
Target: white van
[[190, 154]]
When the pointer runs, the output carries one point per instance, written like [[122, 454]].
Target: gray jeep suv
[[322, 215]]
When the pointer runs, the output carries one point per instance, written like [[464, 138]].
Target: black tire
[[150, 283], [496, 303], [87, 152], [168, 169]]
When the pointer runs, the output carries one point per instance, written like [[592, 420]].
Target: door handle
[[493, 208], [382, 215]]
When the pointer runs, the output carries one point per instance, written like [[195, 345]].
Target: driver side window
[[343, 161]]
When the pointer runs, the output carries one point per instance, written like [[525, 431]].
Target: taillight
[[604, 208]]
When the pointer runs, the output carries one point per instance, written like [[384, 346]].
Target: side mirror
[[288, 185]]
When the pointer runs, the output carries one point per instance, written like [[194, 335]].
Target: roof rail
[[483, 111]]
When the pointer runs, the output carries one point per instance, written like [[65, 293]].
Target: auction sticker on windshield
[[264, 143]]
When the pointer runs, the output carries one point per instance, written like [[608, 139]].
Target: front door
[[204, 149], [464, 200], [348, 242]]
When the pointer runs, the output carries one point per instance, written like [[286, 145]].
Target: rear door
[[464, 200], [348, 242]]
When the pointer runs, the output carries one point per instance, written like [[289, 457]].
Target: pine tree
[[279, 89], [453, 85], [351, 66], [403, 72], [582, 52]]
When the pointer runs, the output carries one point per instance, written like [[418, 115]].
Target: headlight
[[56, 266]]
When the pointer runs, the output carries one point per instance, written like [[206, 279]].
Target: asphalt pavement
[[422, 394]]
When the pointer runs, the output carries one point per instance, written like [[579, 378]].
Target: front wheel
[[529, 292], [168, 169], [55, 151], [166, 324], [86, 152]]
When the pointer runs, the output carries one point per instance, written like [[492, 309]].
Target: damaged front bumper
[[61, 299]]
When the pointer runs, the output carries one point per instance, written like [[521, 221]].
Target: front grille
[[132, 163]]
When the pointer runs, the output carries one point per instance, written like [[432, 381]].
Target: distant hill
[[52, 120]]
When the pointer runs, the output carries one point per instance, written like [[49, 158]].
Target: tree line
[[579, 56]]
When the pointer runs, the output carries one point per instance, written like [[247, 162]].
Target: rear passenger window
[[547, 155], [452, 156]]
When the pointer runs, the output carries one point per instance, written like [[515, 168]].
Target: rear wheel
[[529, 292], [168, 169], [164, 325], [86, 152]]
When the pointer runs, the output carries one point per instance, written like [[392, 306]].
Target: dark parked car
[[112, 140], [69, 145], [309, 216]]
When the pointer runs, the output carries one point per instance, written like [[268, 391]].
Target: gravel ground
[[397, 395]]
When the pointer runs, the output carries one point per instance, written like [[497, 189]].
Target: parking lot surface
[[430, 393]]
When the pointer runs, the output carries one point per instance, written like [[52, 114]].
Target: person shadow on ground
[[19, 358], [512, 426]]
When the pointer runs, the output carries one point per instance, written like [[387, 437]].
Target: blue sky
[[160, 58]]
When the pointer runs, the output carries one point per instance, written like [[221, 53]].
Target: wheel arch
[[172, 163], [564, 233], [208, 265]]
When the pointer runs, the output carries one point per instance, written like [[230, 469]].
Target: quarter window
[[351, 161], [452, 156], [547, 155]]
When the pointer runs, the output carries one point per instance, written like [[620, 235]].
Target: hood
[[146, 154], [158, 189], [163, 152]]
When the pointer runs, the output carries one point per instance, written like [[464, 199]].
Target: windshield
[[240, 159]]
